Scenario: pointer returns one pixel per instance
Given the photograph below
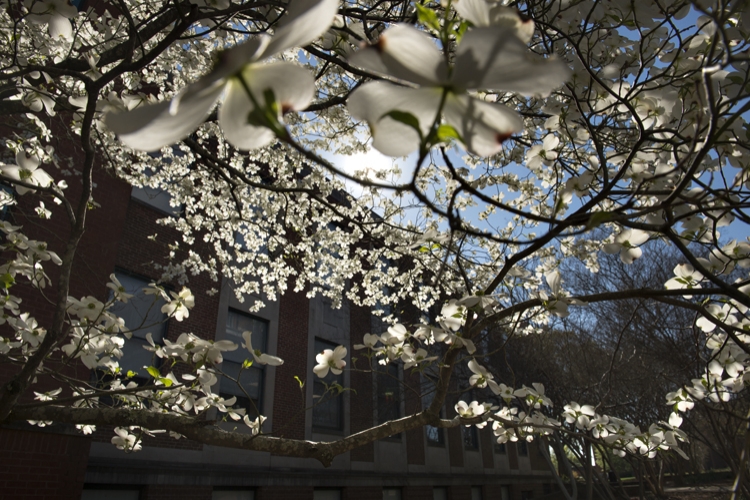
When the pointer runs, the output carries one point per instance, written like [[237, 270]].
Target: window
[[523, 449], [500, 448], [504, 493], [434, 435], [246, 384], [233, 495], [328, 409], [156, 197], [326, 494], [476, 493], [389, 394], [109, 494], [440, 493], [527, 495], [142, 315], [391, 493], [471, 437]]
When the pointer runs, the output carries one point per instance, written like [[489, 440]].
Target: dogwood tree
[[521, 127]]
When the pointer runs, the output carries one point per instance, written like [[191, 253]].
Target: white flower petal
[[405, 53], [475, 11], [484, 13], [509, 18], [151, 127], [60, 26], [321, 370], [373, 100], [27, 162], [638, 237], [292, 86], [482, 125], [492, 59], [553, 280], [628, 255], [267, 359], [305, 21], [231, 61]]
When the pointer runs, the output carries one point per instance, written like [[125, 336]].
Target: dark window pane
[[523, 449], [434, 434], [246, 384], [389, 394], [142, 313], [237, 323], [328, 409], [471, 438], [135, 358], [247, 388]]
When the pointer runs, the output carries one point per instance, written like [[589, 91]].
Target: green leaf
[[247, 363], [423, 249], [560, 204], [166, 381], [461, 30], [272, 104], [445, 133], [7, 280], [153, 372], [299, 381], [428, 17], [406, 118], [735, 79], [599, 218], [267, 116], [131, 374]]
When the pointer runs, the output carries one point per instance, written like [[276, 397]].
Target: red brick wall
[[288, 406], [42, 465], [94, 261], [456, 446], [361, 402]]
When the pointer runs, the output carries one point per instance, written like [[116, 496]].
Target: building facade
[[422, 464]]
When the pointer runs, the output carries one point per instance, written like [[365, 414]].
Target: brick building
[[424, 464]]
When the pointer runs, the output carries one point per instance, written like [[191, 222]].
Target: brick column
[[288, 406]]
